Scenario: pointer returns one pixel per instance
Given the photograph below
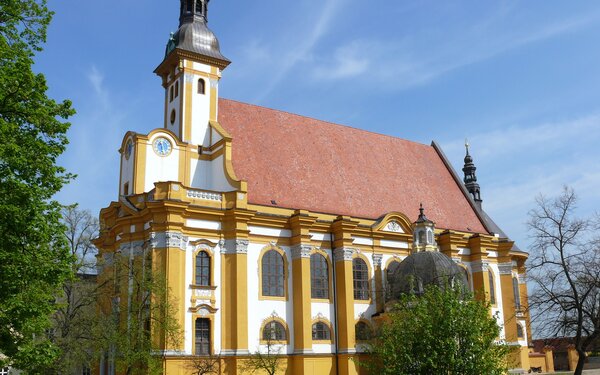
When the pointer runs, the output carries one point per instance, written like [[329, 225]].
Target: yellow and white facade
[[179, 196]]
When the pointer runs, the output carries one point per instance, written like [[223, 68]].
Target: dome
[[422, 269], [198, 38]]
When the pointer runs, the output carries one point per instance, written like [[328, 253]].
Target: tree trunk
[[580, 362]]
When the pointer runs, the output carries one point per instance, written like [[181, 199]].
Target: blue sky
[[520, 80]]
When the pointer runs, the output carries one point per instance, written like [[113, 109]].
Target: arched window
[[360, 275], [520, 333], [202, 336], [176, 88], [202, 269], [389, 277], [516, 293], [320, 331], [189, 4], [362, 331], [201, 86], [465, 272], [272, 274], [273, 330], [198, 6], [492, 288], [319, 276], [171, 94]]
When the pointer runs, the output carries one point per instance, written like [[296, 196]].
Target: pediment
[[203, 309], [394, 222]]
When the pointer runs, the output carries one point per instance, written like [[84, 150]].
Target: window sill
[[327, 342], [274, 342], [321, 300], [272, 298], [202, 287]]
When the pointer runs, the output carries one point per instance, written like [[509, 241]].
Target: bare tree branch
[[565, 268]]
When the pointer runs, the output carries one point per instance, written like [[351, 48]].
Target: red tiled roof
[[303, 163]]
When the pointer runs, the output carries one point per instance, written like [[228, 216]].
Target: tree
[[439, 332], [34, 258], [268, 360], [76, 319], [204, 364], [137, 318], [565, 268]]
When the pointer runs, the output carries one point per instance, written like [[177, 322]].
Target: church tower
[[470, 178], [190, 75], [285, 237], [191, 147]]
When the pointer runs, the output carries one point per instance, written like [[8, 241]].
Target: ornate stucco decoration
[[168, 239], [393, 226], [319, 316], [505, 268], [343, 254], [301, 251], [377, 259], [234, 246], [480, 266], [203, 244], [203, 310]]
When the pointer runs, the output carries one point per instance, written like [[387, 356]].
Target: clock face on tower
[[162, 146]]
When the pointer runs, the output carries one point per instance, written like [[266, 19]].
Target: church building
[[275, 228]]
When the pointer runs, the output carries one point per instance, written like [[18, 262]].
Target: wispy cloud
[[94, 136], [348, 61], [97, 81], [404, 64], [303, 47], [544, 138], [520, 162]]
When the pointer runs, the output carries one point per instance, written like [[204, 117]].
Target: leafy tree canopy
[[439, 332], [34, 257]]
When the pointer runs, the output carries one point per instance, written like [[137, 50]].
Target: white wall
[[499, 305], [259, 310], [189, 279], [174, 105], [209, 175], [161, 168], [127, 170], [200, 110]]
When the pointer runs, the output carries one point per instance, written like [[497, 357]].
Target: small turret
[[423, 233], [470, 178]]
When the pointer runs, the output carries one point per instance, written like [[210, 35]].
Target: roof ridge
[[327, 122]]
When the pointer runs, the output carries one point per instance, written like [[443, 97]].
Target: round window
[[172, 117]]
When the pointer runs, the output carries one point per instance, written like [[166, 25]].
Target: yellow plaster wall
[[302, 304], [538, 360], [234, 307]]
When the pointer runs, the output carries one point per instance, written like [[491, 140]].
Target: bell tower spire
[[193, 11], [190, 74], [470, 178]]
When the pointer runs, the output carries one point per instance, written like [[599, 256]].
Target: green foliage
[[138, 317], [439, 332], [74, 321], [268, 361], [34, 258]]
